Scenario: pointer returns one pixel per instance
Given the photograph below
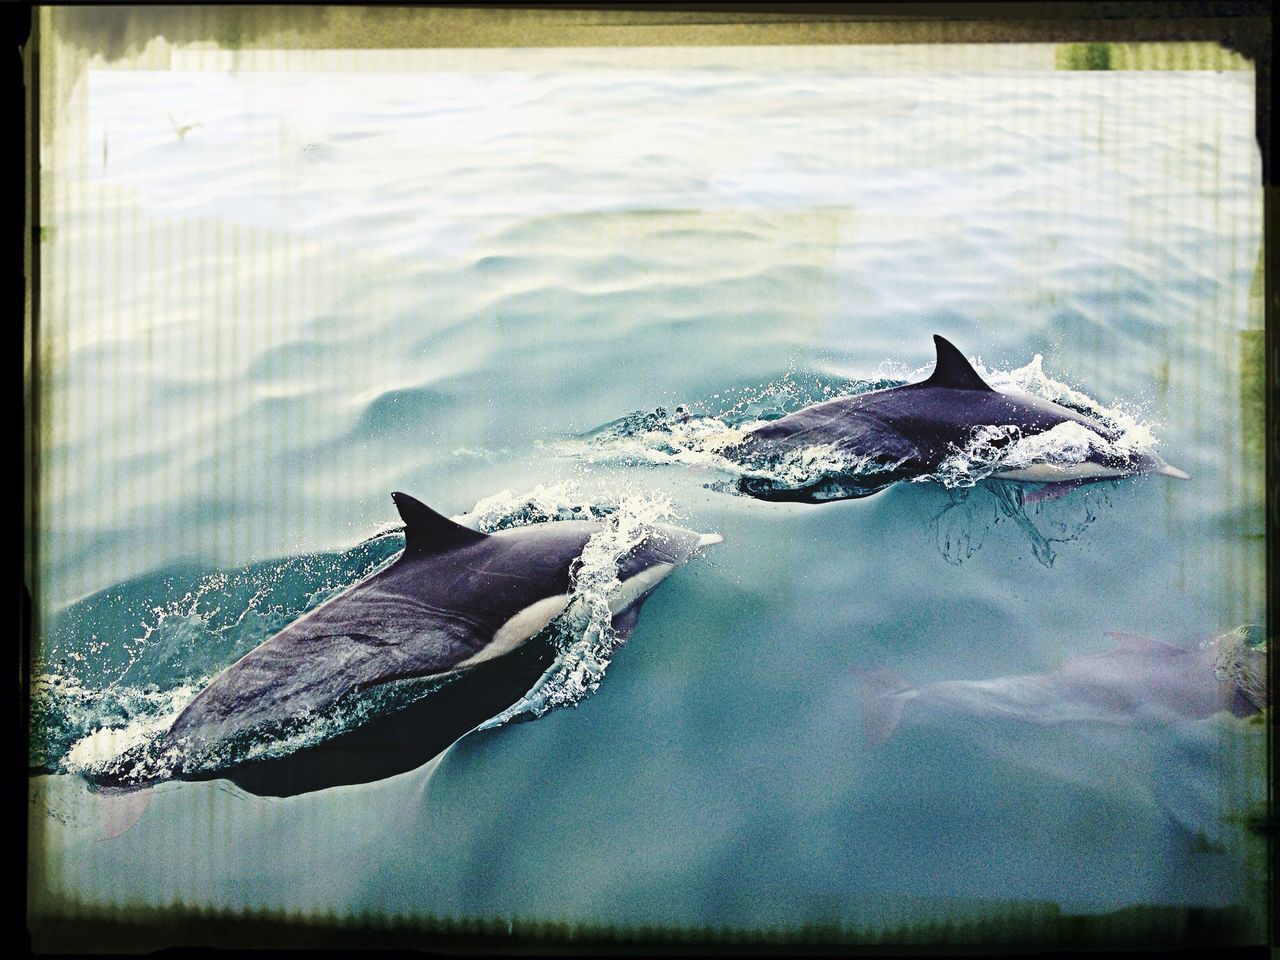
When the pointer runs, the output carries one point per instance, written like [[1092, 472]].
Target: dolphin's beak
[[1169, 471], [707, 539]]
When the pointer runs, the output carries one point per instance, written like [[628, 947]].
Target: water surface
[[273, 298]]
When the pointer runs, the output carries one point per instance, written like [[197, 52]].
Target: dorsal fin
[[952, 370], [427, 532]]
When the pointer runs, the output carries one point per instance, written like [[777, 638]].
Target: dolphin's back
[[861, 425], [424, 615], [916, 425]]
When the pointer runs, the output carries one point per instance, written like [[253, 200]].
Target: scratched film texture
[[277, 286]]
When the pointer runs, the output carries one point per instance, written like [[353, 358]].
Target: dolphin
[[1138, 713], [455, 613], [908, 431], [1141, 682]]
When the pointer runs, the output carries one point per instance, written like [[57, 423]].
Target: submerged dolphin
[[458, 608], [1142, 681], [909, 431]]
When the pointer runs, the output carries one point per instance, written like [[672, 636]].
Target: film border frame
[[1243, 27]]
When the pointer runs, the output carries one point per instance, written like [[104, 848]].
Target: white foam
[[586, 636], [99, 750]]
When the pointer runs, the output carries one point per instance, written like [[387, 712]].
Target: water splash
[[119, 666], [78, 728], [185, 623], [585, 635], [1135, 433], [557, 501]]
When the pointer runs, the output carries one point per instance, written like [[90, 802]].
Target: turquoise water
[[273, 298]]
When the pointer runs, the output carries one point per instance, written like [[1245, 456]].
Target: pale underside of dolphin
[[1142, 681], [458, 606], [909, 431]]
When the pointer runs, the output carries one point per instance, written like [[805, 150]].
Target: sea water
[[549, 288]]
